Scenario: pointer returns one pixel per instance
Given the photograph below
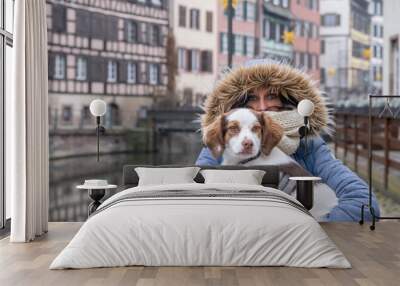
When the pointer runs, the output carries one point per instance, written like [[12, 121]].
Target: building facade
[[306, 24], [391, 57], [246, 32], [376, 68], [194, 26], [345, 48], [114, 50], [276, 20]]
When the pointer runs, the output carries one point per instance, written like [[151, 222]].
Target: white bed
[[185, 230]]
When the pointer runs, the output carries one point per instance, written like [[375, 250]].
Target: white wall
[[341, 7]]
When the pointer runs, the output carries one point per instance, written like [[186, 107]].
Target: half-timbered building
[[109, 49]]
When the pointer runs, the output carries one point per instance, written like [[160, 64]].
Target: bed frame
[[271, 178]]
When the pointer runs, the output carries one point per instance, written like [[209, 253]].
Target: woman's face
[[260, 100]]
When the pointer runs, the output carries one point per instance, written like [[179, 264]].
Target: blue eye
[[272, 96], [251, 97]]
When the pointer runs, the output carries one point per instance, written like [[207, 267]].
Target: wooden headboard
[[271, 178]]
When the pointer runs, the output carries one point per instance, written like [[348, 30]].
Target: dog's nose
[[247, 144]]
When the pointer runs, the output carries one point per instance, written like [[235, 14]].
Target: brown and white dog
[[245, 137]]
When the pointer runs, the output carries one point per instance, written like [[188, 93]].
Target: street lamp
[[98, 109]]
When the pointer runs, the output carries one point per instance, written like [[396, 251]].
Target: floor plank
[[374, 255]]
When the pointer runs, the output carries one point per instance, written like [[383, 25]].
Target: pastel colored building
[[377, 45], [276, 21], [306, 46], [194, 26], [246, 30], [345, 45]]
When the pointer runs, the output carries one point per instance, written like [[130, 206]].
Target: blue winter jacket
[[351, 191]]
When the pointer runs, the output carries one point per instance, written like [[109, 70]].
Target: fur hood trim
[[284, 79]]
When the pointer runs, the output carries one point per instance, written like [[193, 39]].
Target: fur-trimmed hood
[[288, 81]]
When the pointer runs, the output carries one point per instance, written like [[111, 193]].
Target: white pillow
[[164, 176], [248, 177]]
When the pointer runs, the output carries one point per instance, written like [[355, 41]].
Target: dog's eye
[[256, 128], [234, 129]]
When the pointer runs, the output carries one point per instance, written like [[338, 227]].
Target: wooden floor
[[375, 257]]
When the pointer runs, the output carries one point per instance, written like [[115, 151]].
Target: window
[[272, 31], [358, 49], [250, 11], [206, 61], [330, 20], [154, 74], [144, 35], [67, 113], [209, 21], [6, 66], [238, 45], [195, 19], [182, 16], [195, 60], [276, 2], [378, 8], [322, 76], [112, 68], [360, 22], [249, 46], [86, 115], [59, 18], [223, 42], [181, 58], [131, 31], [310, 61], [155, 38], [156, 2], [239, 11], [131, 72], [81, 68], [298, 28], [285, 3], [59, 67], [322, 47]]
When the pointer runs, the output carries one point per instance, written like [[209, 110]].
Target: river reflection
[[67, 203]]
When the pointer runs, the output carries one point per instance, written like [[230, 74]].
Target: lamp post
[[230, 34], [305, 108], [98, 109]]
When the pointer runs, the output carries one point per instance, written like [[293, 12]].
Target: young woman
[[266, 86]]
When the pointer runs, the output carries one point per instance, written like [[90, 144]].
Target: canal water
[[67, 203]]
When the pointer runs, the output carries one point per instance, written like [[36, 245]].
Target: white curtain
[[27, 123]]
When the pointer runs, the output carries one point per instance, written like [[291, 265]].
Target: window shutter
[[83, 23], [122, 71], [210, 61], [203, 61], [197, 19], [59, 18], [126, 36], [189, 60], [159, 79], [209, 22], [51, 65], [112, 28], [98, 69]]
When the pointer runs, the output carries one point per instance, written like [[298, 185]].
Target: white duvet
[[200, 231]]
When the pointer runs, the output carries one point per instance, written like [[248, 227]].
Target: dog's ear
[[213, 136], [272, 133]]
